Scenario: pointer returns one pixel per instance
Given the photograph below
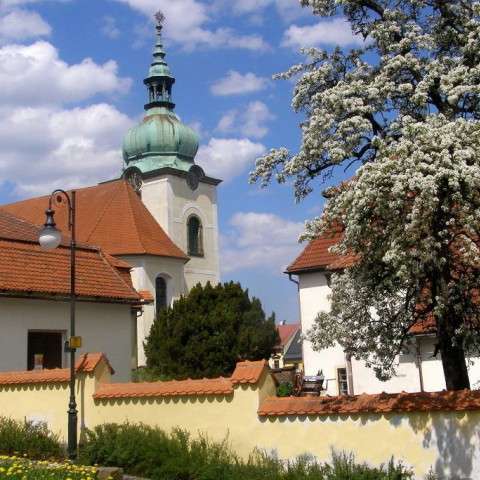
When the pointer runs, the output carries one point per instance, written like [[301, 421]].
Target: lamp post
[[50, 238]]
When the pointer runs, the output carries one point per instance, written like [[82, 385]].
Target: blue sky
[[71, 84]]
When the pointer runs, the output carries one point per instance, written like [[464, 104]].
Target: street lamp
[[50, 238]]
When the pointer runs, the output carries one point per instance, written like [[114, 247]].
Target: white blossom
[[405, 112]]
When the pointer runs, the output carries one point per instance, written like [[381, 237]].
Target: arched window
[[160, 294], [195, 236]]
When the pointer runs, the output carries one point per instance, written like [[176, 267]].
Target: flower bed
[[16, 468]]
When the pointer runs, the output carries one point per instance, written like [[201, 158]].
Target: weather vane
[[160, 17]]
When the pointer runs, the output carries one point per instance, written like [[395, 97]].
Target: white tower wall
[[171, 201]]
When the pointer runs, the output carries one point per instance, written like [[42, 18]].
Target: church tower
[[159, 162]]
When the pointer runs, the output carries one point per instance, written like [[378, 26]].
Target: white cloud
[[336, 31], [251, 121], [186, 21], [291, 9], [260, 240], [48, 147], [22, 24], [226, 158], [109, 27], [45, 144], [287, 9], [34, 75], [198, 128], [235, 83]]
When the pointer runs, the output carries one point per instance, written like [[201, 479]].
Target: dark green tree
[[205, 333]]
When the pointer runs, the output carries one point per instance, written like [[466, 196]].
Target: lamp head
[[50, 237]]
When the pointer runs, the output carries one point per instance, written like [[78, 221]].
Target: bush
[[206, 333], [145, 374], [285, 389], [30, 439], [150, 452]]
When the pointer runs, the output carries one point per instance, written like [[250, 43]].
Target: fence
[[439, 430]]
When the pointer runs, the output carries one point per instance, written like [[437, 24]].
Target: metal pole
[[72, 406]]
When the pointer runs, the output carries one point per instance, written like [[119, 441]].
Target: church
[[156, 226]]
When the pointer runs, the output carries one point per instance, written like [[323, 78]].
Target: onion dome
[[161, 140]]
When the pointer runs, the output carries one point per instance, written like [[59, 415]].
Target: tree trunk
[[454, 364]]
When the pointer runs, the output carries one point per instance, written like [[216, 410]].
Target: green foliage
[[205, 333], [26, 438], [145, 374], [285, 389], [149, 452]]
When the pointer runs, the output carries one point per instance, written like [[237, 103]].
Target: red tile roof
[[216, 386], [286, 332], [110, 215], [460, 400], [429, 325], [248, 372], [245, 373], [26, 269], [316, 255], [146, 295], [86, 363]]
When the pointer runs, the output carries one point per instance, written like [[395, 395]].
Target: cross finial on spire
[[160, 18]]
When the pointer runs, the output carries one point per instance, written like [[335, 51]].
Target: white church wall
[[145, 270], [171, 201], [313, 294], [104, 327]]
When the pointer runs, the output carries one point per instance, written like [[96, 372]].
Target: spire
[[160, 80]]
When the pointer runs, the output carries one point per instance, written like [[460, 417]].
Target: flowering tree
[[405, 109]]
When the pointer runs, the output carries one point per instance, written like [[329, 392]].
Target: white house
[[34, 302], [418, 368], [161, 215]]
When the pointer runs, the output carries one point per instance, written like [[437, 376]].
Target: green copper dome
[[161, 140]]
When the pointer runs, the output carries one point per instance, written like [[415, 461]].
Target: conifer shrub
[[150, 452], [206, 333], [33, 440]]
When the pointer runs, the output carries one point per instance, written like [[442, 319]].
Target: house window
[[342, 381], [195, 236], [276, 364], [45, 349], [160, 294]]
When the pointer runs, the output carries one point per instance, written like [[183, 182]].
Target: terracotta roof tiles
[[316, 255], [110, 215], [86, 363], [216, 386], [248, 372], [460, 400], [146, 295], [286, 331], [27, 269]]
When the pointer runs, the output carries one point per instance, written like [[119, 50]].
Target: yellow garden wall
[[447, 441]]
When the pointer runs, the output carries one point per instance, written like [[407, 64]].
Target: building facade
[[35, 308], [419, 367]]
